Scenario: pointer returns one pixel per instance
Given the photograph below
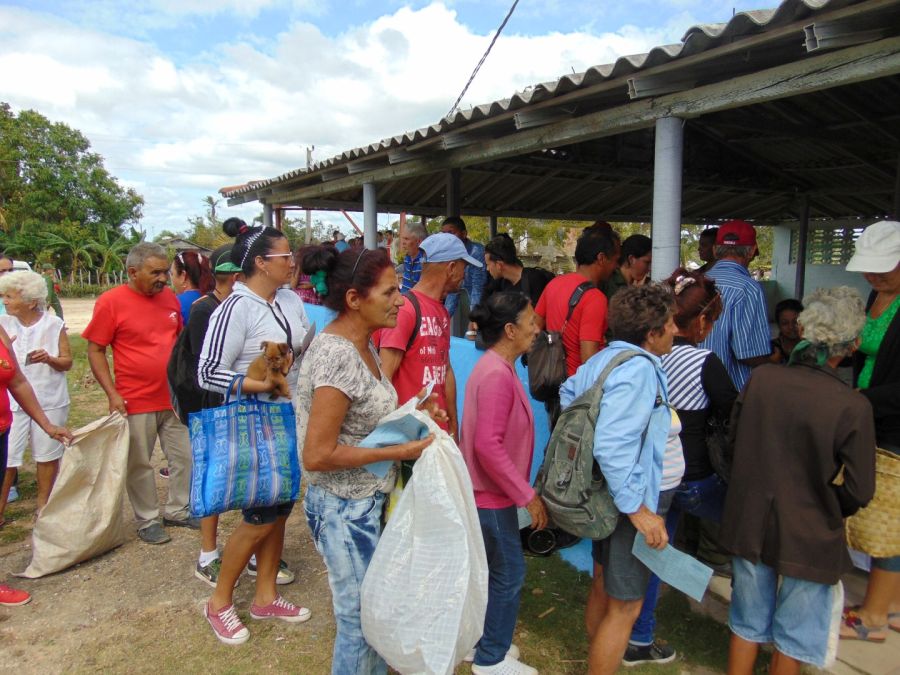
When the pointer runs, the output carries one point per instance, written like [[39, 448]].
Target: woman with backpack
[[497, 442], [629, 446]]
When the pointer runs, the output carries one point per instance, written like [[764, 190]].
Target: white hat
[[877, 249]]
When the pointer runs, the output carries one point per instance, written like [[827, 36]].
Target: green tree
[[54, 189]]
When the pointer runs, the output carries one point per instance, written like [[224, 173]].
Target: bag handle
[[577, 294], [239, 378]]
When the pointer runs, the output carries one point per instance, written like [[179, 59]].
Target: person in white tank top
[[42, 351]]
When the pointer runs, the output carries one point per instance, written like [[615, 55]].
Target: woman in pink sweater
[[497, 441]]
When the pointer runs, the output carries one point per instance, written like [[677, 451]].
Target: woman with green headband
[[796, 429]]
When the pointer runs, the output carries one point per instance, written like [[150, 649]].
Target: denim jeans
[[645, 625], [704, 498], [345, 532], [506, 565]]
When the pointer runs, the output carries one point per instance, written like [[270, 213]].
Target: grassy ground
[[146, 601]]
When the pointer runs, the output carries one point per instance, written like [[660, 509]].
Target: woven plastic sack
[[83, 516], [876, 529], [424, 596], [244, 455]]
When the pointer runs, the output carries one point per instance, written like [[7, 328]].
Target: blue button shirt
[[412, 270], [473, 281], [742, 331], [633, 470]]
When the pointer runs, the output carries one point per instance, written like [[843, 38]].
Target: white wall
[[817, 276]]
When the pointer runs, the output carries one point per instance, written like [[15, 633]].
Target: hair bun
[[234, 227]]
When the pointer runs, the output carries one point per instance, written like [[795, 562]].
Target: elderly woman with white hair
[[797, 428], [42, 350]]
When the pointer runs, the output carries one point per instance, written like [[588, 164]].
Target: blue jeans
[[704, 498], [345, 532], [506, 565]]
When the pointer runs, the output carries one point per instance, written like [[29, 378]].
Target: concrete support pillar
[[370, 216], [492, 226], [453, 191], [667, 168], [802, 241], [267, 215]]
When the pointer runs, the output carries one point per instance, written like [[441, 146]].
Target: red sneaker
[[280, 609], [227, 625], [12, 597]]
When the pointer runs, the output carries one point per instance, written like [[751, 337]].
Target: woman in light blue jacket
[[629, 444]]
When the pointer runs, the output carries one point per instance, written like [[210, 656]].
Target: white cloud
[[246, 109]]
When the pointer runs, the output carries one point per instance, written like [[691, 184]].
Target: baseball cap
[[445, 247], [220, 260], [736, 233], [877, 249]]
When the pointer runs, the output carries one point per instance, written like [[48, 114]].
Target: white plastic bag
[[83, 517], [425, 593]]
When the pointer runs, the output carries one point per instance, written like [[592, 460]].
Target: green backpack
[[574, 490]]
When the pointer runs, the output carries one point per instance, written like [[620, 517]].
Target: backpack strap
[[414, 301], [577, 294]]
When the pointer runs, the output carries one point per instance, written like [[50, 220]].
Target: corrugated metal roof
[[696, 40]]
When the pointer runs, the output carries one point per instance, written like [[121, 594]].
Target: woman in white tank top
[[42, 350]]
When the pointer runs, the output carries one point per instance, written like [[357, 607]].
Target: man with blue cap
[[416, 352]]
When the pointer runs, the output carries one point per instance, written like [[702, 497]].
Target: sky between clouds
[[182, 97]]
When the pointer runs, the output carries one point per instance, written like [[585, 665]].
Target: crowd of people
[[747, 450]]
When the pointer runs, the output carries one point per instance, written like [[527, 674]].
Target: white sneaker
[[507, 666], [513, 653]]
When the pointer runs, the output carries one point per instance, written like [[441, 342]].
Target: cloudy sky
[[183, 97]]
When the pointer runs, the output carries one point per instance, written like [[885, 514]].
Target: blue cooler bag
[[245, 455]]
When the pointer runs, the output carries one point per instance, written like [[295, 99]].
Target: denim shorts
[[266, 515], [624, 576], [801, 618]]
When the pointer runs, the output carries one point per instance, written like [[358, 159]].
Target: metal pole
[[492, 226], [370, 216], [308, 238], [802, 240], [453, 196], [666, 232], [896, 213], [267, 215]]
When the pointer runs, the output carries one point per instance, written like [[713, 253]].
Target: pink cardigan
[[497, 439]]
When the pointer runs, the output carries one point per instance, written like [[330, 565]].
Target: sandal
[[894, 621], [852, 628]]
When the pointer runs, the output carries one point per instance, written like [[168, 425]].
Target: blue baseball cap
[[445, 247]]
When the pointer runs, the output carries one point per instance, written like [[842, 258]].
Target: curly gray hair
[[833, 318], [139, 254], [31, 285]]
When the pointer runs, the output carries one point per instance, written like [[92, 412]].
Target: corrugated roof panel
[[696, 39]]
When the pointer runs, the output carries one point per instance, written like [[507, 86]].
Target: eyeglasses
[[278, 255]]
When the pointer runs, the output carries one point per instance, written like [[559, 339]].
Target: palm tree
[[112, 247]]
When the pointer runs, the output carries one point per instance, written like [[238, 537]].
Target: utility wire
[[455, 106]]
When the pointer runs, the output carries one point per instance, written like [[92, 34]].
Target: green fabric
[[614, 284], [870, 340]]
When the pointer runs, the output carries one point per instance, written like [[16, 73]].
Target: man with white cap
[[416, 352]]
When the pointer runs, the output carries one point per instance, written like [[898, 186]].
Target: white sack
[[83, 517], [425, 593]]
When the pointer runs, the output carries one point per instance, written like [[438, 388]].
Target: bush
[[83, 290]]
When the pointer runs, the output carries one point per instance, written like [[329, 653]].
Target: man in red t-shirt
[[596, 257], [140, 321], [427, 358]]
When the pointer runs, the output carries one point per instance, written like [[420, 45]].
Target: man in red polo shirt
[[140, 321]]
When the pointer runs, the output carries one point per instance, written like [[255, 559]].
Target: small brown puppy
[[274, 360]]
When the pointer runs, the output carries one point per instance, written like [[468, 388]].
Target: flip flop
[[894, 621], [852, 628]]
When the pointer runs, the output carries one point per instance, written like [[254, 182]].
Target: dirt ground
[[77, 313]]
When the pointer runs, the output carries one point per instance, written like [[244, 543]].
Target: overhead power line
[[478, 67]]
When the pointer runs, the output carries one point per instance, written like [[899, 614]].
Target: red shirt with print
[[141, 329], [429, 355], [588, 322]]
